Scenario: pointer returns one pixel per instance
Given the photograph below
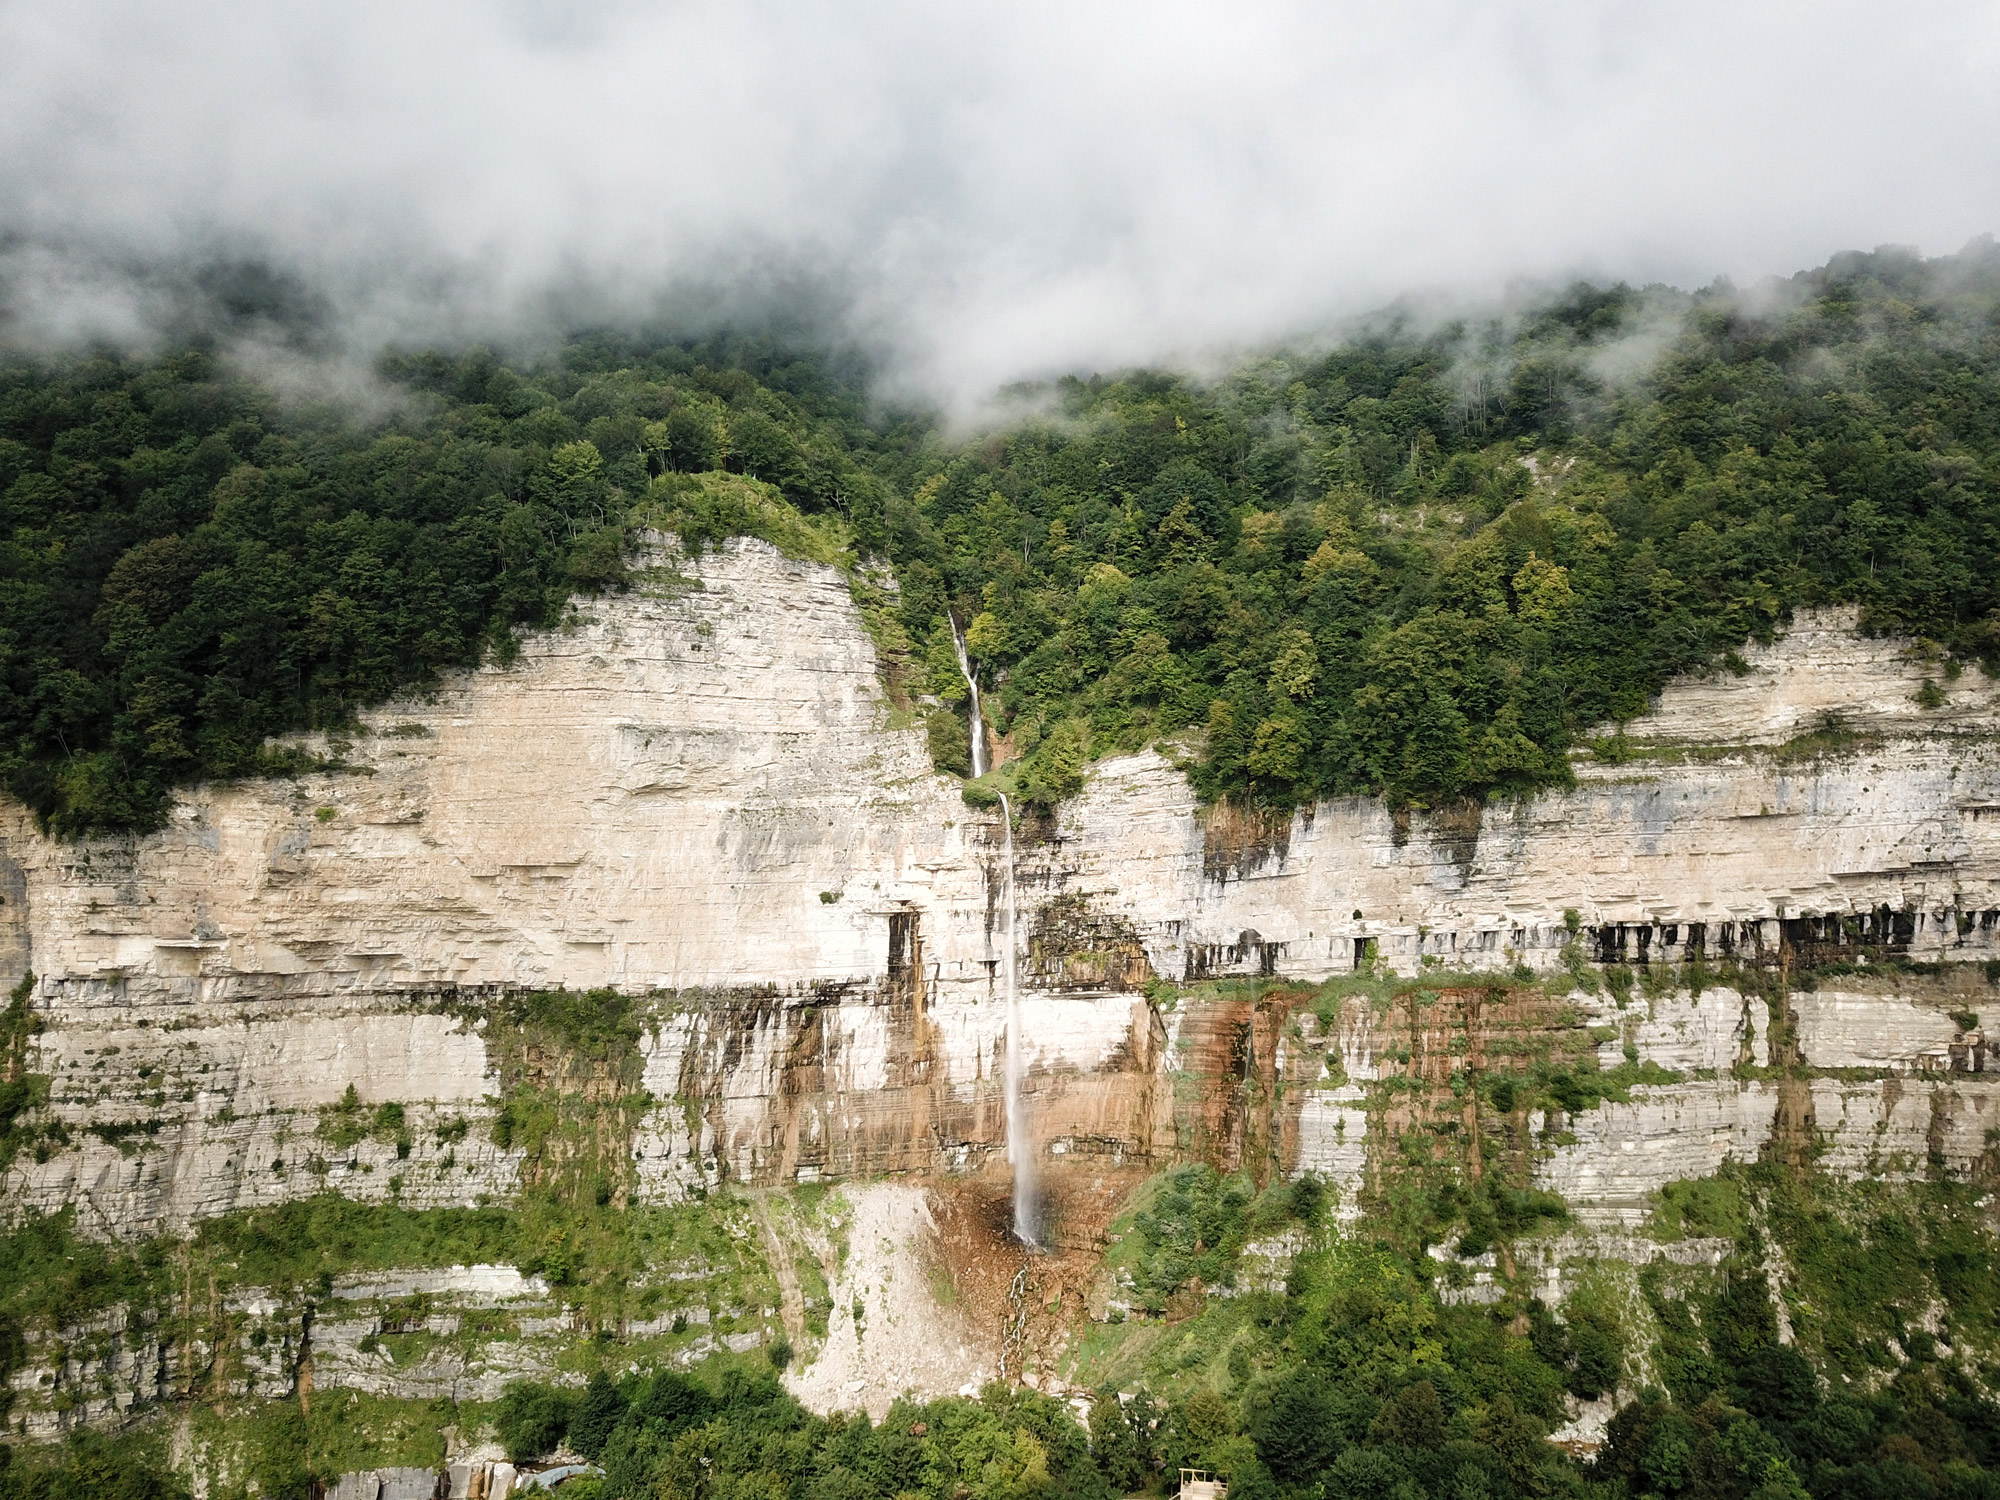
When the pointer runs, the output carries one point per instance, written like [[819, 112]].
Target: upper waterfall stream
[[977, 724]]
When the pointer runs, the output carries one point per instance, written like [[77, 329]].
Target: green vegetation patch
[[1702, 1207], [22, 1093], [1427, 563], [587, 1026], [704, 510], [120, 1466], [286, 1448], [570, 1069], [345, 1124], [613, 1266], [1575, 1087], [1185, 1229]]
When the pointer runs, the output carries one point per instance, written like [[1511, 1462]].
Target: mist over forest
[[977, 195]]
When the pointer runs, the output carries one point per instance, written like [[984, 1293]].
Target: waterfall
[[1020, 1148], [972, 686]]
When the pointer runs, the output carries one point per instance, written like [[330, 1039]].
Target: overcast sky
[[991, 191]]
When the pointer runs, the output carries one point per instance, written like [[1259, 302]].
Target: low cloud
[[980, 192]]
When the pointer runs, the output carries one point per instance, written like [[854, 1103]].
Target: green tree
[[1113, 1443], [532, 1419], [597, 1416]]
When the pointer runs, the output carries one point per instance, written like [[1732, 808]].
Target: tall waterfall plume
[[1020, 1147]]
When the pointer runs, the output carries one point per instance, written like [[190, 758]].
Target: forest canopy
[[1428, 561]]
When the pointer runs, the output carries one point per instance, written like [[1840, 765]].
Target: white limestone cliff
[[694, 789], [694, 793]]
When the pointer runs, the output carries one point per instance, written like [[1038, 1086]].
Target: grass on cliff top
[[706, 509]]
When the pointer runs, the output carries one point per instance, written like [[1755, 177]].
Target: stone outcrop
[[697, 793], [457, 1333]]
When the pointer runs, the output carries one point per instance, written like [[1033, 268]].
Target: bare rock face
[[1657, 860], [692, 793], [696, 794], [1823, 676], [653, 796], [688, 792]]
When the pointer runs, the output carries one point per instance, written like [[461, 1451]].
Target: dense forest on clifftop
[[1426, 561]]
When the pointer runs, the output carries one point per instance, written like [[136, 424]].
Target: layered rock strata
[[696, 793], [454, 1333], [693, 792]]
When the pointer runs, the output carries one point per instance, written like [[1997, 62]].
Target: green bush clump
[[597, 1416], [1497, 1212], [1586, 1344], [533, 1419], [1190, 1231], [1192, 1222]]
